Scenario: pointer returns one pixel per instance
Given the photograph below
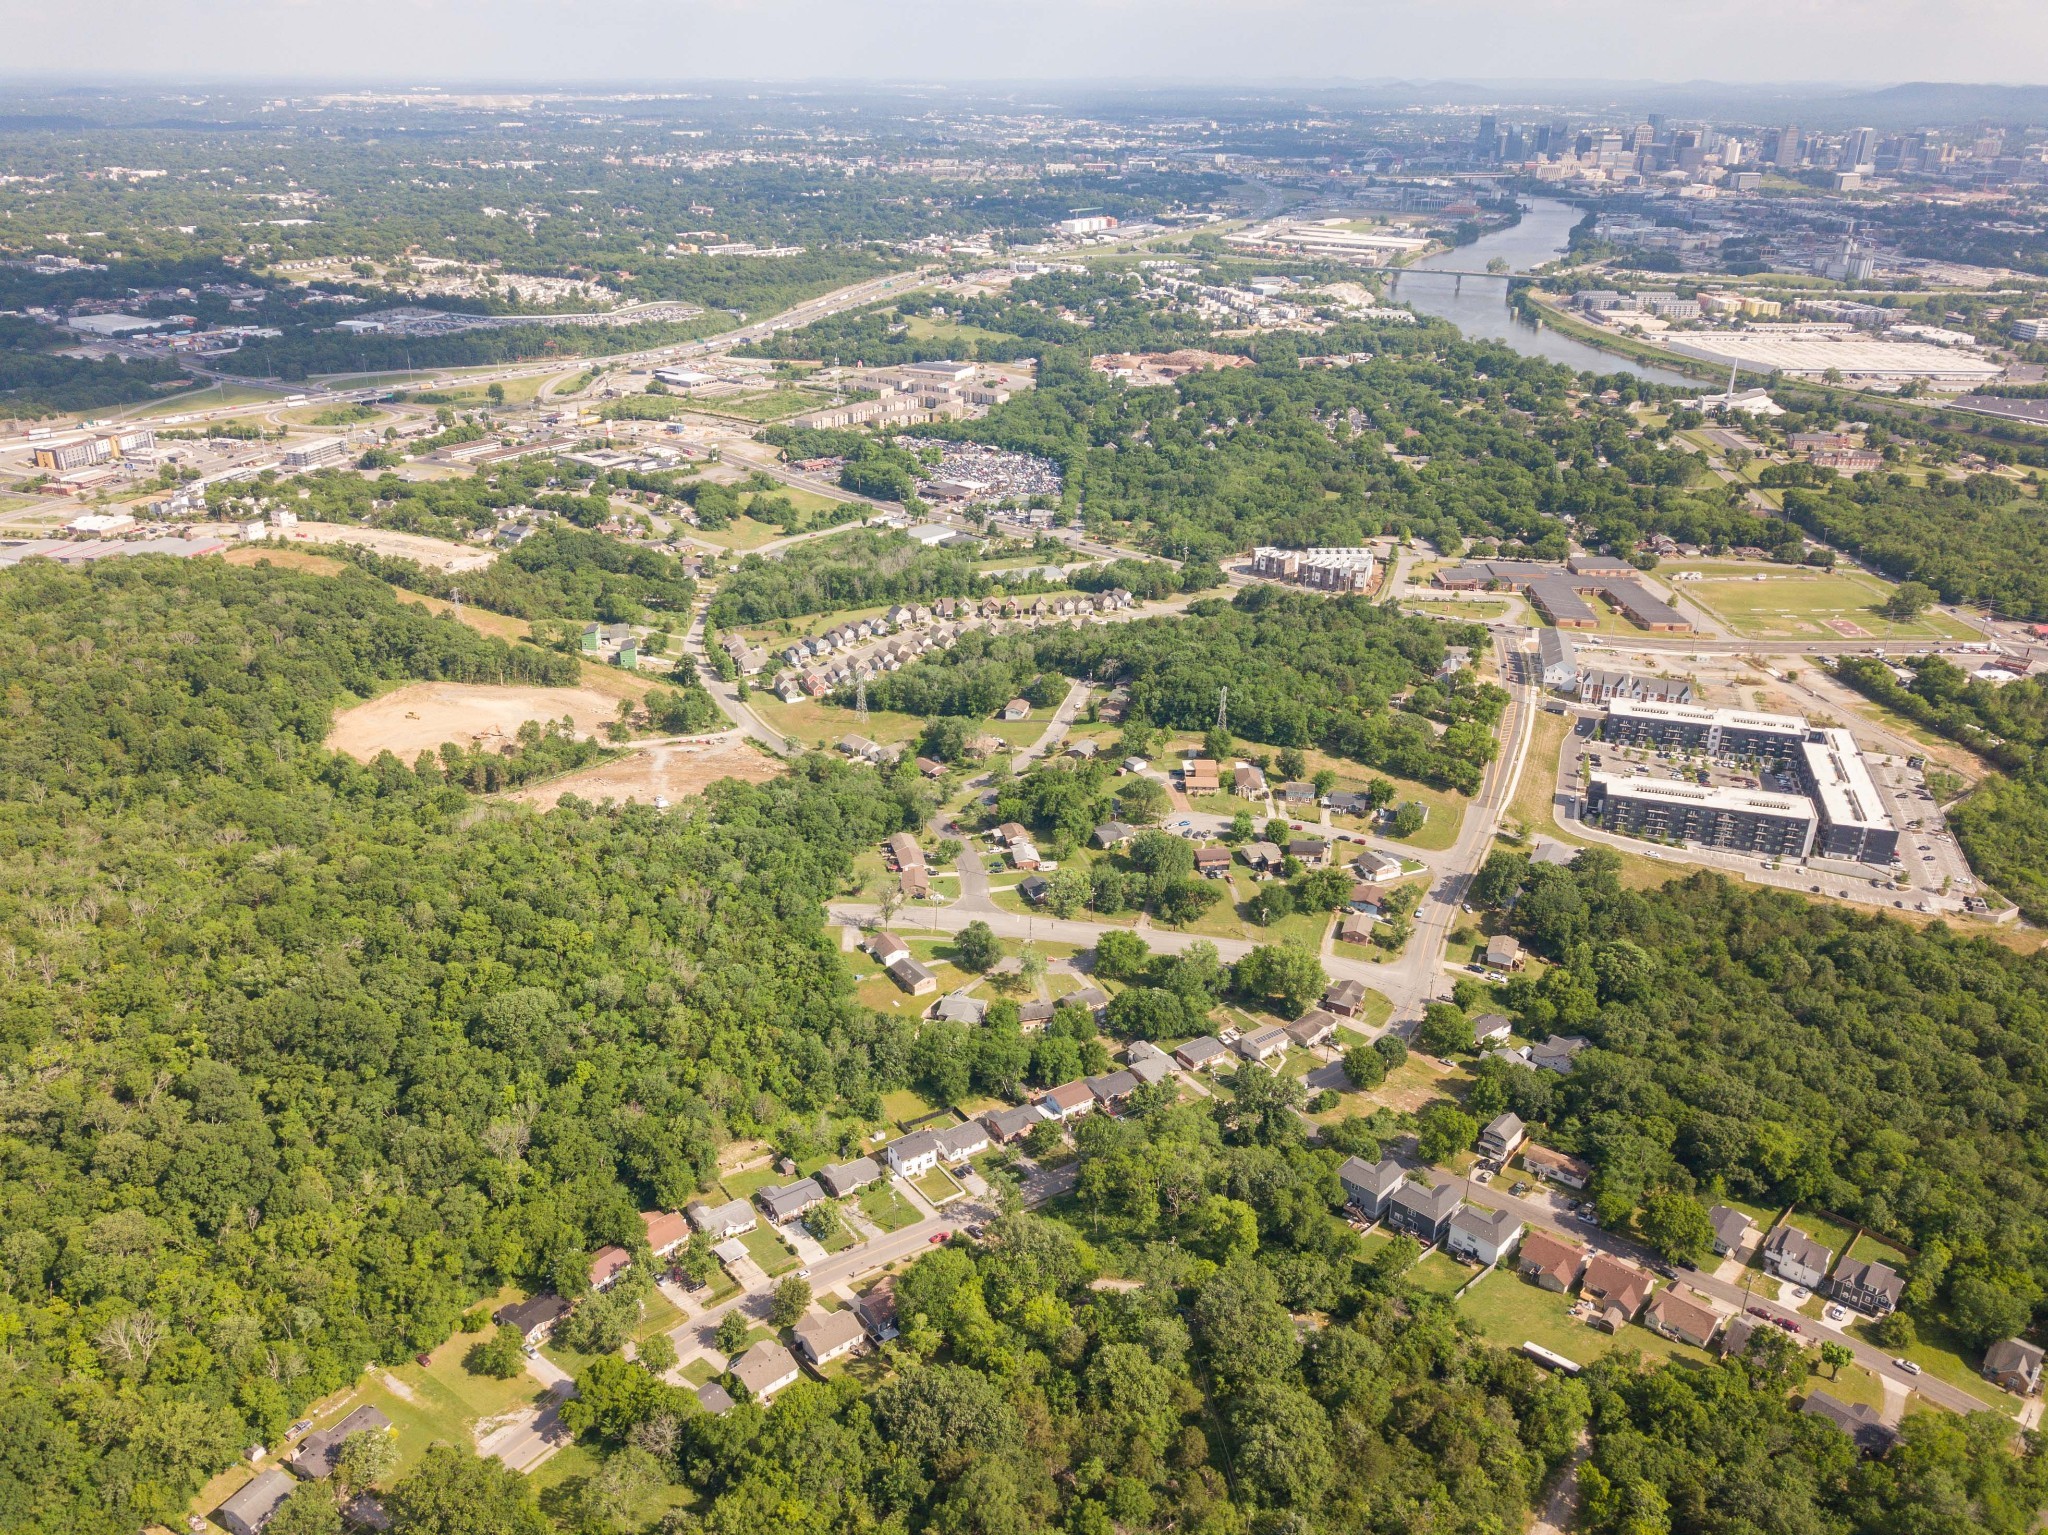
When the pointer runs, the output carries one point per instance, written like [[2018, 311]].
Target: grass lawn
[[1944, 1356], [766, 1249], [923, 327], [1835, 1235], [938, 1186], [1855, 1384], [839, 1242], [745, 1185], [213, 397], [658, 1315], [769, 405], [742, 533], [886, 1208], [1794, 602], [1438, 1275], [903, 1106], [1875, 1249], [1468, 608], [1512, 1311]]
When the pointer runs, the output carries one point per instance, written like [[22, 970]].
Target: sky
[[540, 42]]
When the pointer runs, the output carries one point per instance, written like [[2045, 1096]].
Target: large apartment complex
[[1840, 814]]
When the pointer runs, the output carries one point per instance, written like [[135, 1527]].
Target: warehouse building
[[1746, 820]]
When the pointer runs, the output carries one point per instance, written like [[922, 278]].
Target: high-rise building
[[1859, 149], [1785, 151]]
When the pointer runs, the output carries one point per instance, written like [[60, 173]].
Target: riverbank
[[1600, 338]]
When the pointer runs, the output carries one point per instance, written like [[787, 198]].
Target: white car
[[1907, 1365]]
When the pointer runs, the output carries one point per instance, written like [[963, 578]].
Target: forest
[[2002, 824], [35, 381], [1977, 540], [860, 568], [1302, 671], [560, 572], [304, 1055], [1747, 1041]]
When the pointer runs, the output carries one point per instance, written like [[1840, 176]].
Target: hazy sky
[[1213, 40]]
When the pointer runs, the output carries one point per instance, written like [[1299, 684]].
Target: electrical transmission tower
[[1223, 709], [861, 700]]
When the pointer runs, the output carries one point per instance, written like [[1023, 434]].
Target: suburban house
[[1094, 998], [1550, 1260], [714, 1398], [314, 1459], [1198, 776], [533, 1318], [1735, 1336], [886, 947], [1860, 1421], [1265, 857], [1425, 1214], [791, 1200], [877, 1309], [843, 1178], [1356, 926], [1503, 952], [913, 977], [1312, 1028], [1248, 781], [1113, 834], [1491, 1029], [1006, 1125], [1675, 1316], [1553, 1054], [1313, 852], [666, 1230], [1345, 998], [1368, 1185], [824, 1337], [1067, 1101], [765, 1369], [1376, 866], [2013, 1366], [1731, 1228], [1616, 1289], [1017, 709], [915, 1153], [1872, 1288], [1212, 861], [1368, 900], [1151, 1069], [1262, 1044], [959, 1142], [1012, 831], [1791, 1254], [1113, 1089], [1499, 1140], [1348, 802], [954, 1008], [1024, 854], [1034, 1014], [732, 1219], [1297, 793], [1483, 1236], [1034, 888], [1201, 1054], [253, 1505], [1142, 1050], [606, 1265]]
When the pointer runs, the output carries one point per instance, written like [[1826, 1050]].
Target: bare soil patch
[[421, 715], [664, 770], [284, 559]]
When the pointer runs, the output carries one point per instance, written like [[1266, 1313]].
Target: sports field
[[1763, 602]]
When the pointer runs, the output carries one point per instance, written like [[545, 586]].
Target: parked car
[[939, 1236], [1907, 1365]]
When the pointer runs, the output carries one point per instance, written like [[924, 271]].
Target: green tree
[[1284, 976], [1834, 1355], [1444, 1131], [365, 1460], [731, 1335], [791, 1298], [452, 1492], [1444, 1030], [1408, 820], [826, 1222], [1677, 1225], [501, 1358], [310, 1510], [1365, 1066], [1244, 1331], [1907, 601], [976, 948], [656, 1354], [1141, 801]]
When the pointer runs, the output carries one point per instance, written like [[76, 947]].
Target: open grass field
[[1474, 609], [1511, 1311], [742, 535], [421, 715], [1436, 1274], [212, 397], [1769, 602], [924, 328], [883, 1206], [769, 405]]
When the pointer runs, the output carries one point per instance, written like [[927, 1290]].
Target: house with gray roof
[[731, 1219], [1425, 1214], [1481, 1236], [255, 1503], [843, 1178], [1202, 1053], [791, 1200], [823, 1337], [1368, 1185], [1731, 1228], [314, 1459], [1006, 1125], [765, 1369], [1872, 1288], [2013, 1365], [1791, 1254], [954, 1008]]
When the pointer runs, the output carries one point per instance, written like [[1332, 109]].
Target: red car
[[939, 1236]]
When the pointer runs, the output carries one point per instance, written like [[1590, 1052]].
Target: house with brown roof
[[1312, 1028], [1346, 998], [2013, 1365], [606, 1264], [1212, 861], [666, 1230], [1678, 1314], [765, 1369], [824, 1337], [1550, 1260], [1616, 1289], [1069, 1100], [1555, 1166]]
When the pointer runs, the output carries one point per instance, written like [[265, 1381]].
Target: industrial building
[[1734, 733], [313, 452], [1557, 592], [1747, 820]]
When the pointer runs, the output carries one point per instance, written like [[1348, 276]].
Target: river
[[1478, 306]]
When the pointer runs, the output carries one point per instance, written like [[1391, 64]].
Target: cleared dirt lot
[[435, 553], [421, 715], [658, 770]]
